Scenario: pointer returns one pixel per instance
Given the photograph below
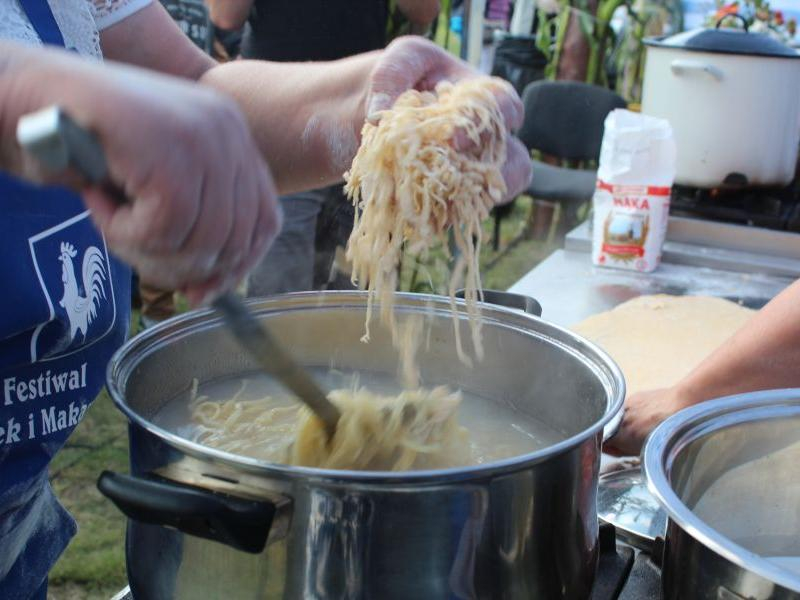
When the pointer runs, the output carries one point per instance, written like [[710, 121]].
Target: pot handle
[[236, 522], [724, 593], [745, 24], [509, 300], [658, 550], [682, 67]]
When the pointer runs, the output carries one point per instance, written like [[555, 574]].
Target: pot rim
[[155, 337], [672, 436], [661, 42]]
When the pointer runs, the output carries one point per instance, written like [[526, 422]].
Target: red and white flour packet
[[634, 182]]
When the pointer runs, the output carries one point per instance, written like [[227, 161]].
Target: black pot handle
[[658, 551], [241, 524], [735, 16], [509, 300]]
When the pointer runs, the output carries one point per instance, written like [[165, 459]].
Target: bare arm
[[31, 79], [229, 14], [420, 12], [764, 354], [306, 117], [150, 39], [203, 206]]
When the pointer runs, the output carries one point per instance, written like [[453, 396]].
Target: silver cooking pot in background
[[727, 472], [208, 524]]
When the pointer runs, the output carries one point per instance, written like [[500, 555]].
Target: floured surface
[[657, 340]]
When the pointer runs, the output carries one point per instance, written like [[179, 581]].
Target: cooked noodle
[[248, 427], [410, 186], [415, 430]]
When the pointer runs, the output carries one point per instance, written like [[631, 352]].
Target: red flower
[[724, 11], [778, 17]]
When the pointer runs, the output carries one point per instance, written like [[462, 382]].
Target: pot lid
[[726, 41], [624, 501]]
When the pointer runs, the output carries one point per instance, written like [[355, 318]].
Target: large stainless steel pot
[[524, 527], [727, 472]]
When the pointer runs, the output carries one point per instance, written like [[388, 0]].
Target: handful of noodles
[[410, 186]]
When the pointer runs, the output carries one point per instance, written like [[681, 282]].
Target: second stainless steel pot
[[726, 472], [207, 524]]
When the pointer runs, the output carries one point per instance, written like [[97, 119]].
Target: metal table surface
[[743, 264], [753, 268]]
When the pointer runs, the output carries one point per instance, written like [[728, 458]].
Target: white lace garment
[[80, 21]]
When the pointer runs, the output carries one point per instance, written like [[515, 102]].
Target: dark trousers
[[41, 593], [315, 224]]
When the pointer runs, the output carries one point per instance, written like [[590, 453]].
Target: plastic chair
[[565, 119]]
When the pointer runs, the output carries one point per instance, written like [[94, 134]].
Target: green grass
[[93, 566], [499, 270]]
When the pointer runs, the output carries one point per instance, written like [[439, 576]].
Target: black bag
[[519, 61]]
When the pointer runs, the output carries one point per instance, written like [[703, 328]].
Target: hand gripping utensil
[[60, 144]]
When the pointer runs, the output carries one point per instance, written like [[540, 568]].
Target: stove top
[[622, 574], [771, 208]]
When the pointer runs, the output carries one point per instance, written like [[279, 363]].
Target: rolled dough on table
[[657, 340]]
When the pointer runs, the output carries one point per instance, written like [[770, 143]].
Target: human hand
[[415, 63], [643, 412], [204, 207], [201, 205]]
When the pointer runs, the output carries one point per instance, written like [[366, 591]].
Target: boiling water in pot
[[495, 431], [755, 505]]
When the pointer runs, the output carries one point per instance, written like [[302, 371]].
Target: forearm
[[31, 79], [306, 117], [229, 14], [150, 39], [764, 354], [114, 101], [419, 12]]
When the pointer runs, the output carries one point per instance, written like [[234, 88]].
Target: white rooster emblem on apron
[[82, 309]]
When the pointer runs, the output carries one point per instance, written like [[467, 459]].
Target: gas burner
[[771, 208], [624, 573]]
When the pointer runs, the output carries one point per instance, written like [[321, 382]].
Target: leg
[[41, 593], [333, 230], [289, 264]]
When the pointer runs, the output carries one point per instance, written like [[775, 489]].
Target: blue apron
[[65, 310]]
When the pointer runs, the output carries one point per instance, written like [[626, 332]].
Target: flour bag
[[634, 182]]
